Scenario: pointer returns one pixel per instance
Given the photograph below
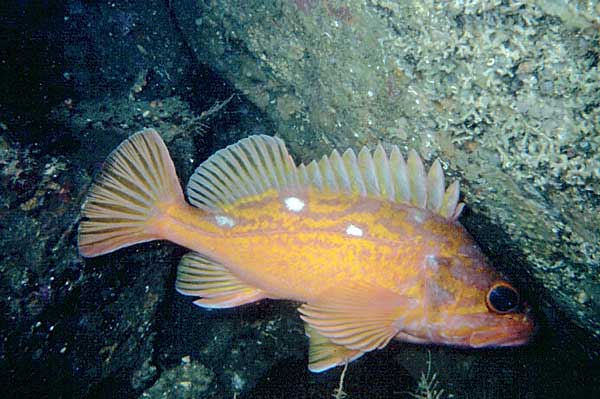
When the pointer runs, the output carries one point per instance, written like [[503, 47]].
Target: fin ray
[[137, 177], [359, 317], [390, 178], [200, 276], [323, 354], [256, 163]]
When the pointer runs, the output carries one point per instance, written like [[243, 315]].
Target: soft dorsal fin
[[260, 163], [200, 276], [251, 166]]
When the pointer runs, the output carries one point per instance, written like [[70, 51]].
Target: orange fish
[[369, 244]]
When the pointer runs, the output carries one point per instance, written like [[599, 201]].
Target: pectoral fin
[[324, 354], [200, 276], [360, 318]]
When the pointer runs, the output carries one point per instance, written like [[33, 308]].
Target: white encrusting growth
[[224, 221], [294, 204], [353, 230]]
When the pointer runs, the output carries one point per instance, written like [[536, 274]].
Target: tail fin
[[123, 204]]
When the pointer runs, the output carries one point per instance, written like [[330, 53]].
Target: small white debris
[[353, 230], [224, 221], [237, 382], [294, 204]]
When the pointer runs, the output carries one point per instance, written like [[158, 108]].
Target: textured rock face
[[508, 95]]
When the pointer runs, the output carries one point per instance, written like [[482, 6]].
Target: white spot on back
[[432, 263], [418, 216], [224, 221], [294, 204], [353, 230], [431, 260]]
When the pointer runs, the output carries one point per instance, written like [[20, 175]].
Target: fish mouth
[[514, 330]]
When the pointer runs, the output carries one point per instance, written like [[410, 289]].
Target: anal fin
[[324, 354], [218, 288]]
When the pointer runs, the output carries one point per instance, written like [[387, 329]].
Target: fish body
[[370, 244]]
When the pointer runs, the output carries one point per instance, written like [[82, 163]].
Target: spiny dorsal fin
[[260, 163], [391, 178]]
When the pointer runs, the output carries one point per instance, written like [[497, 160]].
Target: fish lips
[[511, 330]]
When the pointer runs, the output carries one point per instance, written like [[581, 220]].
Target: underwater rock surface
[[507, 94]]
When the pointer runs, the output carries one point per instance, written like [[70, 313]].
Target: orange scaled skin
[[306, 255]]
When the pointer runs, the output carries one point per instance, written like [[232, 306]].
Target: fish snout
[[510, 330]]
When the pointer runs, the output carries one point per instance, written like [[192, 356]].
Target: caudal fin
[[122, 207]]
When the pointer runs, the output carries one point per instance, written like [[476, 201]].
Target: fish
[[369, 245]]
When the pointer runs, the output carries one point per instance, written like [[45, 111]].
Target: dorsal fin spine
[[358, 185], [416, 177], [294, 172], [340, 169], [259, 156], [328, 175], [303, 175], [382, 169], [435, 186], [450, 201], [314, 175], [398, 165], [367, 168]]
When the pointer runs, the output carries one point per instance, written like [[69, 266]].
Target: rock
[[190, 380]]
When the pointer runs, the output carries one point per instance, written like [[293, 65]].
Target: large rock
[[507, 95]]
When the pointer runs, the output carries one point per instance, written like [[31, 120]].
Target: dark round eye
[[502, 298]]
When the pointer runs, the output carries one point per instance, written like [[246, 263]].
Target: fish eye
[[502, 298]]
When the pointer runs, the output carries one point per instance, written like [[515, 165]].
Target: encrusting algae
[[370, 244]]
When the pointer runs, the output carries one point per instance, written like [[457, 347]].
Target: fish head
[[468, 303]]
